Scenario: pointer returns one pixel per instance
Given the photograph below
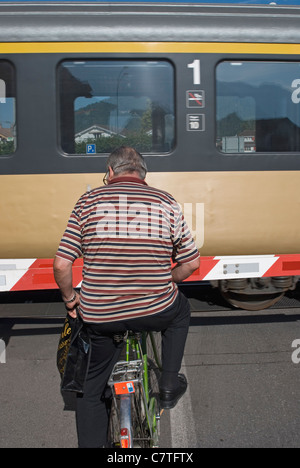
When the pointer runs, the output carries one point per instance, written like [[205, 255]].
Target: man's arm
[[63, 276], [183, 270]]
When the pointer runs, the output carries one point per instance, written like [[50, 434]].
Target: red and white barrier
[[34, 274]]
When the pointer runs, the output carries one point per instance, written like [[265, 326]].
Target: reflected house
[[95, 132], [249, 140], [6, 134], [245, 142]]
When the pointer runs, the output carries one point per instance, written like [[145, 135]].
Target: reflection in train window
[[7, 108], [105, 104], [258, 107]]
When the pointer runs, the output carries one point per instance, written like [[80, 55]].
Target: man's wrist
[[72, 299]]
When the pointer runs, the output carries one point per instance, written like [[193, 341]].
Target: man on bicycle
[[128, 233]]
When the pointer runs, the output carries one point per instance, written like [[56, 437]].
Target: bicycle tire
[[146, 414], [113, 436], [140, 426], [153, 344], [153, 348]]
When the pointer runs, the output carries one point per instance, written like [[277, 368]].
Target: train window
[[7, 108], [104, 104], [258, 107]]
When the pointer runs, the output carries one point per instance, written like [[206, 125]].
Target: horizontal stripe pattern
[[150, 47], [127, 233]]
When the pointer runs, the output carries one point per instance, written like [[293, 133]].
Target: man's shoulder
[[162, 194], [92, 193], [87, 198]]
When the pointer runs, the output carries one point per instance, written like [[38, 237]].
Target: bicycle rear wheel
[[145, 400], [114, 425], [153, 349], [144, 429]]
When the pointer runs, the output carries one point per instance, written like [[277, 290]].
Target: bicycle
[[135, 410]]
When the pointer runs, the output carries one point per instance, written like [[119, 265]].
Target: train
[[209, 94]]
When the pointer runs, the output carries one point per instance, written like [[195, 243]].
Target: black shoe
[[170, 398]]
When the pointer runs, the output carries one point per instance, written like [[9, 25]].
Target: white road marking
[[183, 430]]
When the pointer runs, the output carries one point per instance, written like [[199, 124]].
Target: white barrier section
[[2, 352]]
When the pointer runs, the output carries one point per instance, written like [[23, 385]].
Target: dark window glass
[[7, 108], [105, 104], [258, 107]]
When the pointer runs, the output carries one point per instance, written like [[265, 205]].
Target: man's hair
[[127, 159]]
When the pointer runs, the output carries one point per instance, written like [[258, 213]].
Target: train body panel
[[229, 213], [209, 94]]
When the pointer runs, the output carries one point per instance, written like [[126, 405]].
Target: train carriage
[[209, 94]]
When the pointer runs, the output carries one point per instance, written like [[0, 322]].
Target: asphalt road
[[243, 386]]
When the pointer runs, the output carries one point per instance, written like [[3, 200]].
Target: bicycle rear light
[[125, 438]]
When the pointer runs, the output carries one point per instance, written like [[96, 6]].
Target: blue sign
[[90, 148]]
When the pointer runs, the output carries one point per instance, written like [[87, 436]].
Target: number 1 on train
[[195, 65]]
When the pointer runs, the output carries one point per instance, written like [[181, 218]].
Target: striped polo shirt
[[127, 233]]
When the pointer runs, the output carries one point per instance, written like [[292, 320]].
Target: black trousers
[[93, 407]]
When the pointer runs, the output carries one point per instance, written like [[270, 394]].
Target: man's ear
[[110, 173]]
